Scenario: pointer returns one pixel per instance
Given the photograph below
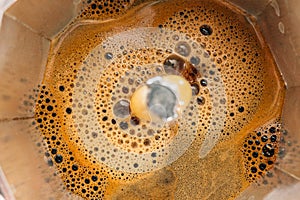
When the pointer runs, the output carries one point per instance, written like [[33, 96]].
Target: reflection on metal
[[5, 188], [4, 5], [275, 5], [281, 27]]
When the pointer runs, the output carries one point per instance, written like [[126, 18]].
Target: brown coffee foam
[[217, 170], [166, 153]]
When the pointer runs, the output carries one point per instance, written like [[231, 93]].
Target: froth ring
[[96, 64]]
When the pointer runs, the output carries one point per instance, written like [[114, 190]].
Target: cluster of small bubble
[[236, 54], [260, 150], [47, 169], [287, 146], [110, 62], [130, 133], [98, 10], [89, 181], [71, 113]]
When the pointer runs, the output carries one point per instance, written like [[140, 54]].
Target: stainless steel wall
[[26, 31]]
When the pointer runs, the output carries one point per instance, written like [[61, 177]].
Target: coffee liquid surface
[[226, 138]]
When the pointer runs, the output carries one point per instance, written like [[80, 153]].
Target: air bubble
[[203, 82], [195, 60], [135, 165], [49, 108], [58, 158], [61, 88], [123, 125], [121, 109], [262, 166], [69, 110], [108, 56], [253, 169], [162, 101], [264, 138], [54, 151], [195, 89], [135, 121], [150, 132], [175, 37], [174, 64], [241, 109], [153, 154], [183, 48], [206, 30], [255, 154], [268, 150], [200, 100], [223, 101], [84, 111], [272, 130], [130, 81], [125, 90], [94, 135], [94, 178], [273, 138], [74, 167], [50, 162]]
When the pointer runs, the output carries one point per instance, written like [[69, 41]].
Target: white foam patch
[[118, 158]]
